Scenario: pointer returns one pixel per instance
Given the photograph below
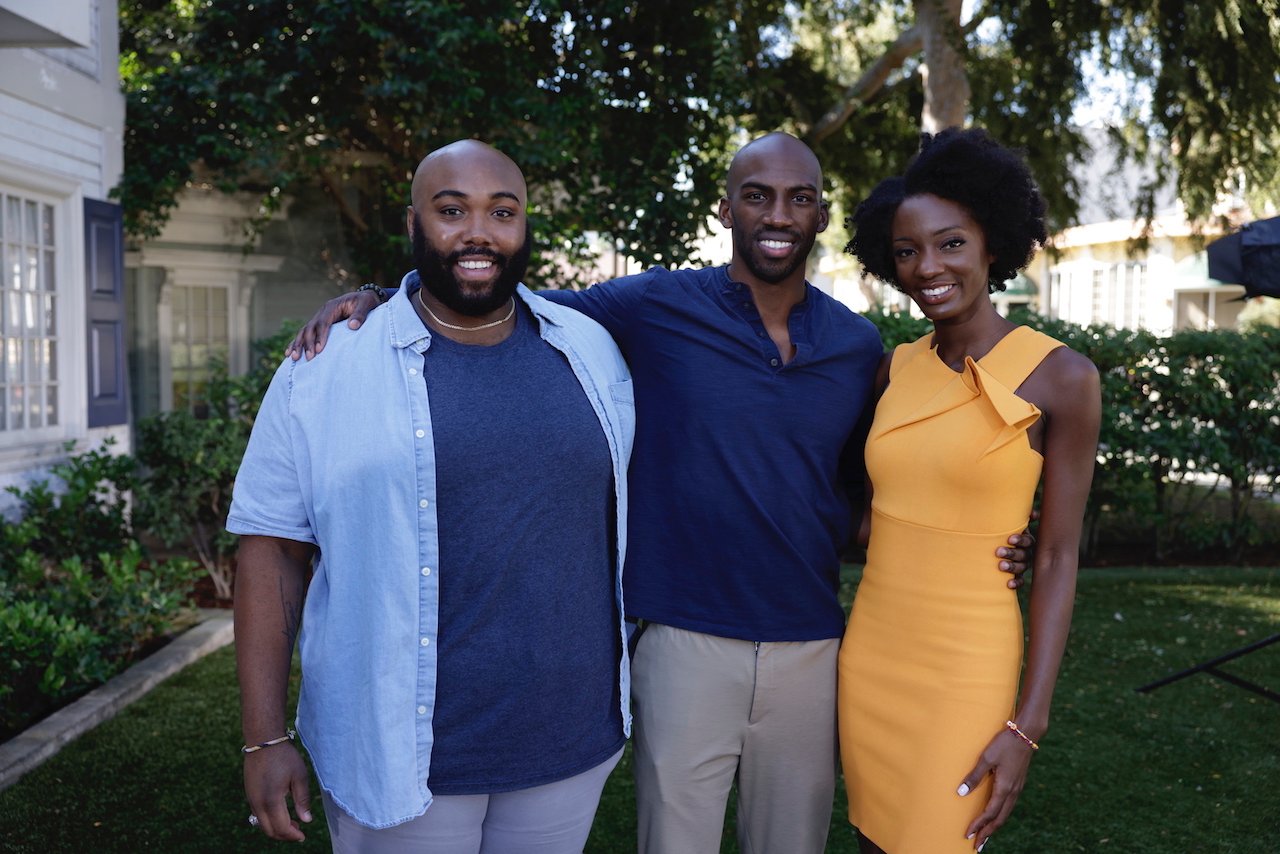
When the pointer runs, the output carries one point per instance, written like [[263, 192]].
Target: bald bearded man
[[464, 682]]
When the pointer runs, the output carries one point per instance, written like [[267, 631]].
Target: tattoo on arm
[[292, 614]]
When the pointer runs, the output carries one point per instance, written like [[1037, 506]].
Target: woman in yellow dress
[[938, 719]]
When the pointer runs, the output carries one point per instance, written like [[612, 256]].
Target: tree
[[622, 113], [1197, 87], [618, 112]]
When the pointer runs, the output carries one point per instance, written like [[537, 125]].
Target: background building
[[62, 354]]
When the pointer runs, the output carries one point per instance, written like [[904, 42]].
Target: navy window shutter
[[105, 313]]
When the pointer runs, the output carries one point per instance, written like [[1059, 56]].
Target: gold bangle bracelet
[[1022, 735]]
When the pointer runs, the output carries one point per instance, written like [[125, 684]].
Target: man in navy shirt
[[749, 385]]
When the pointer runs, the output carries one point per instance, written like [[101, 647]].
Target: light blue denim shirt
[[342, 456]]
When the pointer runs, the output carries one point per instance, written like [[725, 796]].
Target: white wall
[[61, 141]]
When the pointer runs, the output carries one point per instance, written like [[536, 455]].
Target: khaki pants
[[713, 711]]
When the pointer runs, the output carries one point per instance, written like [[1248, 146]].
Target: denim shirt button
[[423, 503]]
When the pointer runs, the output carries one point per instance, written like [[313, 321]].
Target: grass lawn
[[1192, 767]]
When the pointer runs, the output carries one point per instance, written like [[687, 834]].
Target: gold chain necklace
[[489, 325]]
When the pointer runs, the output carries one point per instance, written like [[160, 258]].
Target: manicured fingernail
[[1002, 552], [305, 815], [971, 835], [983, 845], [963, 790]]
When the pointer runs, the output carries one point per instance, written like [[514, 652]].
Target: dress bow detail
[[1016, 414]]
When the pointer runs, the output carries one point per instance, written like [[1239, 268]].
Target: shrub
[[85, 515], [189, 464], [68, 627], [1190, 433]]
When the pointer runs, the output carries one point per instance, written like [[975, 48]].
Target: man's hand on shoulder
[[356, 306]]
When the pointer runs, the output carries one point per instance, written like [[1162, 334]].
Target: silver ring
[[253, 820]]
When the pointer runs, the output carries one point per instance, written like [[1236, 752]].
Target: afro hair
[[970, 168]]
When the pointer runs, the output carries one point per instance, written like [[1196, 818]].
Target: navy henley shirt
[[738, 509]]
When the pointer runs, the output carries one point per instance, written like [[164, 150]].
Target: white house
[[62, 344]]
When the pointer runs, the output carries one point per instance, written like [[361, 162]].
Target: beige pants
[[713, 711]]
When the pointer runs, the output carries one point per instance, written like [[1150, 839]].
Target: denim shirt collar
[[407, 329]]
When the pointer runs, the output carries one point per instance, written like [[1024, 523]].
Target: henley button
[[426, 641], [426, 570], [422, 710], [413, 372], [420, 433], [423, 503]]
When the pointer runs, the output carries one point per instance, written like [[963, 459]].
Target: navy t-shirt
[[527, 687], [737, 510]]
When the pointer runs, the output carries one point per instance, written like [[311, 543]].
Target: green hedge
[[1190, 438], [79, 597], [79, 600]]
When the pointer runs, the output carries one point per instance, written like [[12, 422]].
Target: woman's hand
[[1006, 758]]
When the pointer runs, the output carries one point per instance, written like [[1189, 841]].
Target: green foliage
[[623, 114], [77, 598], [82, 514], [618, 112], [1186, 420], [67, 627], [897, 327], [189, 464]]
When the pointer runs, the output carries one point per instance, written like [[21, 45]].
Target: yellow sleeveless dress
[[930, 661]]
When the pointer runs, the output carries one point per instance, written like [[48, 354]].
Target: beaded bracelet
[[289, 735], [379, 292], [1022, 735]]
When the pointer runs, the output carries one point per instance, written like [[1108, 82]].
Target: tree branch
[[910, 42], [348, 213]]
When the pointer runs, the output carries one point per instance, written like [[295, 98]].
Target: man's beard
[[767, 269], [435, 270]]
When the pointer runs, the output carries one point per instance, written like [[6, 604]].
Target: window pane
[[16, 408], [46, 226], [13, 361], [31, 273], [28, 321], [12, 218], [12, 268], [200, 332], [35, 406], [29, 223]]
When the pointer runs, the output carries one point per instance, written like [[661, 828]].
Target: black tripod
[[1211, 667]]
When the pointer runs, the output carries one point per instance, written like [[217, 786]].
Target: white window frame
[[66, 199]]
